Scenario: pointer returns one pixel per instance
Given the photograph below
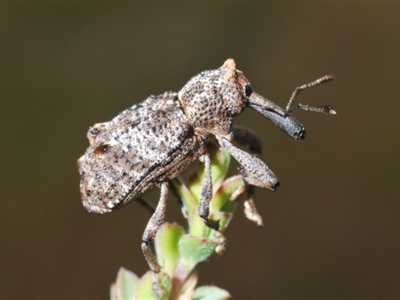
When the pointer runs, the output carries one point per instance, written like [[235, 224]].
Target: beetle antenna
[[324, 109]]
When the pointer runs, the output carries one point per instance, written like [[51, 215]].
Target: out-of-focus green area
[[331, 230]]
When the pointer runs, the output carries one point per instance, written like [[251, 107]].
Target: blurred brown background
[[331, 230]]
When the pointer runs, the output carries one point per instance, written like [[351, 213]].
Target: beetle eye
[[102, 148], [248, 90]]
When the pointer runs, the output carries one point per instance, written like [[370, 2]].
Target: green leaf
[[221, 207], [220, 160], [145, 287], [125, 287], [195, 249], [225, 191], [210, 293], [166, 245], [186, 197]]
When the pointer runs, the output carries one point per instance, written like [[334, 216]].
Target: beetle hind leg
[[206, 194], [156, 220]]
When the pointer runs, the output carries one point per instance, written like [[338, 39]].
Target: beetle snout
[[276, 185], [301, 134]]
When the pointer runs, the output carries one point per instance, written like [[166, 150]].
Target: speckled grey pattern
[[211, 98], [142, 146]]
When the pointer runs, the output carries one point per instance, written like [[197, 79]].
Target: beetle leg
[[253, 169], [156, 220], [247, 138], [206, 194], [251, 213]]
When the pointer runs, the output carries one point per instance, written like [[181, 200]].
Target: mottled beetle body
[[113, 170], [156, 140]]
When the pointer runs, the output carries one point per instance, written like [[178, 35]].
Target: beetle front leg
[[206, 194], [156, 220], [253, 169], [247, 138]]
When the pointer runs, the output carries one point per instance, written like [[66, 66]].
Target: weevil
[[156, 140]]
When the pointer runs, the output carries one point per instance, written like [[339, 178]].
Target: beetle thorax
[[211, 99]]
